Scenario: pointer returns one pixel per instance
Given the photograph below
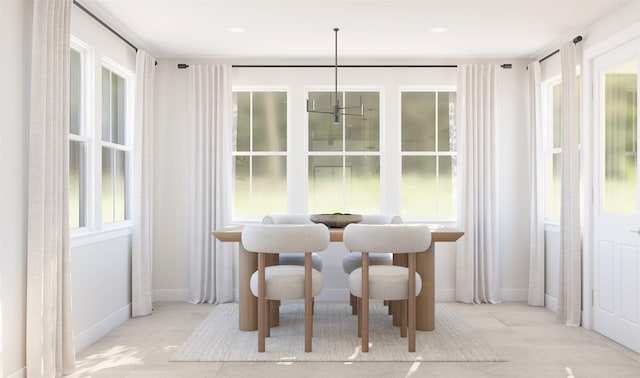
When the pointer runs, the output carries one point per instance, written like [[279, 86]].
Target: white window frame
[[453, 154], [547, 146], [251, 153], [380, 153], [86, 132], [94, 230], [129, 78]]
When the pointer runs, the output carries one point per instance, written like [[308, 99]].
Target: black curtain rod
[[505, 66], [575, 41], [104, 24]]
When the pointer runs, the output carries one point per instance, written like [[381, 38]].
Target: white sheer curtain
[[477, 274], [1, 349], [536, 226], [210, 105], [49, 338], [142, 197], [570, 282]]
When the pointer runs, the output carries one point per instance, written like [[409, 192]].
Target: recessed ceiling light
[[438, 29], [236, 29]]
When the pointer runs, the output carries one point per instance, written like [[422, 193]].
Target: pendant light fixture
[[336, 110]]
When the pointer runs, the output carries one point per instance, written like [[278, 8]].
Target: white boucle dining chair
[[282, 282], [387, 282], [293, 258], [353, 260]]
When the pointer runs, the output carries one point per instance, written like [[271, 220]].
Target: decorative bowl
[[336, 220]]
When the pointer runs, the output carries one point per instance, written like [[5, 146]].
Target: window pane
[[75, 93], [419, 188], [553, 200], [107, 185], [446, 121], [323, 134], [326, 184], [242, 188], [557, 115], [121, 184], [620, 136], [106, 105], [242, 116], [269, 121], [77, 184], [446, 187], [418, 121], [362, 184], [118, 109], [113, 107], [363, 132], [269, 185]]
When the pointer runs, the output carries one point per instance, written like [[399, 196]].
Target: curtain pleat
[[142, 188], [570, 267], [49, 338], [210, 104], [536, 226], [477, 274]]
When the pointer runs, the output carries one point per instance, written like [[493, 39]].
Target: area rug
[[334, 339]]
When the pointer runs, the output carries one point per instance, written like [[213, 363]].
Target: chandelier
[[336, 110]]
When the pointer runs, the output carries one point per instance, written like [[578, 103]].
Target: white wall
[[15, 42], [172, 159], [100, 270]]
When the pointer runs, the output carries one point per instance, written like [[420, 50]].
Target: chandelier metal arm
[[336, 111]]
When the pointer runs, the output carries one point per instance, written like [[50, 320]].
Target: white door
[[616, 299]]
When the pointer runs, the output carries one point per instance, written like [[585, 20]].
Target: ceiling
[[369, 29]]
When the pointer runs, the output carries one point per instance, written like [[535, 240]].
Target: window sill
[[79, 238], [551, 226]]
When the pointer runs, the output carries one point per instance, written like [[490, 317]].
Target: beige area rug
[[335, 338]]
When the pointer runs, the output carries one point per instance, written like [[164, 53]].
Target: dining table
[[248, 264]]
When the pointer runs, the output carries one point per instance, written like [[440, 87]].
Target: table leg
[[425, 302], [248, 306]]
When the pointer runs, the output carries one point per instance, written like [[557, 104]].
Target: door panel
[[629, 283], [605, 270], [616, 219]]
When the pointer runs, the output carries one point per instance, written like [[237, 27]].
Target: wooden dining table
[[425, 302]]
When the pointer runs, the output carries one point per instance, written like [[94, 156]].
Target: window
[[260, 153], [620, 139], [552, 134], [100, 140], [552, 148], [398, 157], [428, 153], [344, 158], [115, 154], [78, 140]]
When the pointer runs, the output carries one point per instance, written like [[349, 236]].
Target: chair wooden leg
[[403, 319], [365, 302], [353, 300], [262, 305], [308, 317], [412, 302], [359, 315], [268, 316]]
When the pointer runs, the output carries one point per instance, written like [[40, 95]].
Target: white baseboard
[[170, 295], [551, 303], [22, 373], [100, 329], [514, 295]]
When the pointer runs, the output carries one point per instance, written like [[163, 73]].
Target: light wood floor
[[530, 339]]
